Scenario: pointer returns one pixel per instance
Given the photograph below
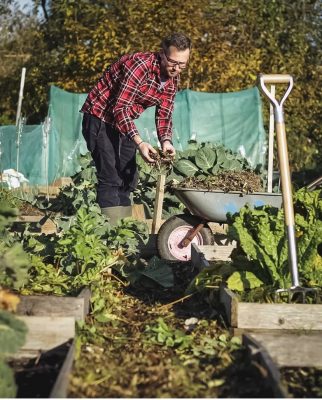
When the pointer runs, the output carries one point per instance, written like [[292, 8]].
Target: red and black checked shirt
[[127, 88]]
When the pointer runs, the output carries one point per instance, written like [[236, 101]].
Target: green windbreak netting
[[25, 153], [48, 151], [232, 119]]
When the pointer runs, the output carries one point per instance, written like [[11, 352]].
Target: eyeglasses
[[172, 63]]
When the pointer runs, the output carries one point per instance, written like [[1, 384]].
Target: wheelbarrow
[[177, 234]]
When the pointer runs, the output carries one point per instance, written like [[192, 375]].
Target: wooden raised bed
[[262, 357], [47, 356], [55, 306], [283, 316], [41, 223], [291, 333], [291, 349]]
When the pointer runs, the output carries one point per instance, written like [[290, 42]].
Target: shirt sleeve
[[125, 109], [163, 117]]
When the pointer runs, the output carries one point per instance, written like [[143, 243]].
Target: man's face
[[174, 61]]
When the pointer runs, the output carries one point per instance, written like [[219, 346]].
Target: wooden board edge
[[60, 387], [230, 302], [47, 306], [283, 316], [85, 294], [261, 355]]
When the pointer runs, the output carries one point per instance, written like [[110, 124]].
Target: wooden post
[[22, 84], [158, 205]]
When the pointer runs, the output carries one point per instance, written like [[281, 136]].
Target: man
[[126, 89]]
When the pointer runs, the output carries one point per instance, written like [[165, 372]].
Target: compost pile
[[228, 181]]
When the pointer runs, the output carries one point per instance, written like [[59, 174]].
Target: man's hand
[[146, 150], [167, 147]]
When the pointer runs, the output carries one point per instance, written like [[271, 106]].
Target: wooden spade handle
[[276, 78]]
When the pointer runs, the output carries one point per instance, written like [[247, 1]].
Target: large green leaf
[[205, 158], [186, 168], [12, 333], [8, 387], [242, 280], [160, 272]]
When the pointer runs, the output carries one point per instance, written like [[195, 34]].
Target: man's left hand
[[168, 148]]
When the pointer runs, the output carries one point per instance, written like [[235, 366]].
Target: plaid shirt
[[127, 88]]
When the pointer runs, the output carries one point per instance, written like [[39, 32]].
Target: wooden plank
[[60, 388], [218, 228], [63, 181], [262, 356], [296, 349], [230, 303], [45, 333], [85, 294], [270, 316], [55, 306], [138, 212], [240, 332], [158, 204], [29, 218], [41, 189], [149, 223], [280, 316], [48, 227]]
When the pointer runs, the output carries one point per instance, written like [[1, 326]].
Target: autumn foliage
[[71, 42]]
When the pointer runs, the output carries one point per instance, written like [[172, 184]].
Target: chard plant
[[262, 258], [261, 235]]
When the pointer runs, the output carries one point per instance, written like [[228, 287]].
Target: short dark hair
[[178, 40]]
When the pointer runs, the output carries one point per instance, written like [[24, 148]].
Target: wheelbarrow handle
[[276, 78]]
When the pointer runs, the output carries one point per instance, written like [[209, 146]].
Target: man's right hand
[[146, 150]]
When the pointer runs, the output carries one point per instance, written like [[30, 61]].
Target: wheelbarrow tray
[[213, 205]]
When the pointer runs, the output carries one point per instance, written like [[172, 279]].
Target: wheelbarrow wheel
[[174, 230]]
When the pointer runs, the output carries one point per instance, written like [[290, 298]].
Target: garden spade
[[285, 179]]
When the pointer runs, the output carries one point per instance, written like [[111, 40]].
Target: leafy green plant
[[161, 333], [14, 262], [261, 235], [259, 264], [12, 337], [7, 196], [208, 159]]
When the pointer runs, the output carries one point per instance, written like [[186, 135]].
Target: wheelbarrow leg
[[192, 233]]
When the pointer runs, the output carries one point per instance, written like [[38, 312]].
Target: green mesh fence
[[46, 152]]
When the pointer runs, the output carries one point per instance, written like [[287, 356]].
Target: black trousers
[[114, 157]]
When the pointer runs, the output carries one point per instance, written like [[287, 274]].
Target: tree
[[233, 41]]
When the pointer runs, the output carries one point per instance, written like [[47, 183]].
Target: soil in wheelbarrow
[[228, 181]]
